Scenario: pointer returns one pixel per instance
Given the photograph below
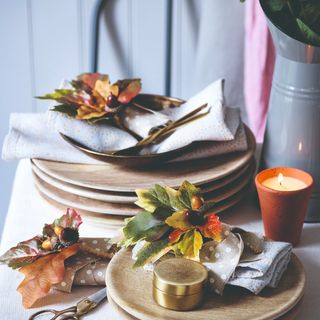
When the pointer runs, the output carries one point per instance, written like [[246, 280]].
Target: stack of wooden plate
[[105, 194]]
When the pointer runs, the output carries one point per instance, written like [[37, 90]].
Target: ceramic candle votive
[[283, 194]]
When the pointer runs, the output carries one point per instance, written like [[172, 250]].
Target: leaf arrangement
[[172, 220], [92, 97], [297, 18], [41, 259]]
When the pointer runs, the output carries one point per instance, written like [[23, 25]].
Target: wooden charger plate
[[123, 315], [228, 196], [109, 177], [131, 290], [215, 190]]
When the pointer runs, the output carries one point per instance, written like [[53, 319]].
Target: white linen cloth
[[37, 135]]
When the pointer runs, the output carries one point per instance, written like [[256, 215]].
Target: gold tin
[[179, 284]]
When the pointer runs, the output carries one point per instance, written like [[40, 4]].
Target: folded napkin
[[87, 268], [220, 131], [242, 259]]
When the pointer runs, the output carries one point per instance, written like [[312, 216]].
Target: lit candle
[[283, 195], [284, 183]]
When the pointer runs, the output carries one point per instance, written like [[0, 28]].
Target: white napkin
[[36, 135]]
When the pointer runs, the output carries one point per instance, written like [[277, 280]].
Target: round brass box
[[179, 283]]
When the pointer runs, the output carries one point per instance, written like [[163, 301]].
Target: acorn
[[46, 244], [196, 202], [195, 218], [69, 236]]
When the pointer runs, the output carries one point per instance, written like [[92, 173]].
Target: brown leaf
[[128, 89], [42, 274]]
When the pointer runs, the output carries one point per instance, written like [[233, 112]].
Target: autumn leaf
[[143, 226], [151, 252], [158, 196], [213, 227], [178, 220], [128, 89], [190, 244], [24, 253], [42, 274], [71, 219], [186, 191]]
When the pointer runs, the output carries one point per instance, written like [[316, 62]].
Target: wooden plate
[[83, 203], [216, 189], [124, 283], [82, 191], [121, 179], [95, 219], [229, 196], [123, 315]]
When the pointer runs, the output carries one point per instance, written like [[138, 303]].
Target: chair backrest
[[95, 40]]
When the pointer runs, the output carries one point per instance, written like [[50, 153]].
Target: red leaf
[[128, 89]]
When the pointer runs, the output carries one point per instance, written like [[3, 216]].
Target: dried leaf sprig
[[41, 259], [92, 97], [172, 220]]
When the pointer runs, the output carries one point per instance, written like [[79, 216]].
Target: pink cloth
[[259, 65]]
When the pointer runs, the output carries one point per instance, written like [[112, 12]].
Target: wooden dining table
[[28, 212]]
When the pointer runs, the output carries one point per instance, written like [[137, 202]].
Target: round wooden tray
[[124, 283], [228, 196], [109, 177]]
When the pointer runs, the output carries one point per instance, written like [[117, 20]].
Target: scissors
[[74, 313]]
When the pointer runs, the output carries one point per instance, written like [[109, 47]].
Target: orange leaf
[[42, 274]]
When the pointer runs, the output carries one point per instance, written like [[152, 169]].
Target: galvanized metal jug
[[292, 136]]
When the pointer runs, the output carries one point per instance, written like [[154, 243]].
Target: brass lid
[[179, 276]]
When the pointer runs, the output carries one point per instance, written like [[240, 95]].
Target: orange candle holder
[[283, 211]]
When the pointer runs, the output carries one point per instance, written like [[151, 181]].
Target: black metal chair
[[95, 40]]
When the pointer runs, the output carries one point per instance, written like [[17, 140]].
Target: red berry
[[112, 101]]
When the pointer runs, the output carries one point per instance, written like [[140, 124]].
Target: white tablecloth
[[28, 212]]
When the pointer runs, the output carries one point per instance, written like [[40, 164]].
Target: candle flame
[[280, 178], [300, 146]]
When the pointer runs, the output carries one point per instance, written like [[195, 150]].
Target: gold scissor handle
[[57, 313], [84, 306]]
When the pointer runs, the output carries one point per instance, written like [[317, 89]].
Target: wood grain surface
[[114, 178], [228, 197], [243, 174], [131, 290]]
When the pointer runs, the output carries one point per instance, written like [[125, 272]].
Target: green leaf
[[186, 192], [178, 220], [162, 213], [190, 244], [68, 109], [57, 95], [277, 5], [158, 196], [309, 35], [152, 251], [143, 226]]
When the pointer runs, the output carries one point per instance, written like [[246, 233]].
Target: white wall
[[43, 41]]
